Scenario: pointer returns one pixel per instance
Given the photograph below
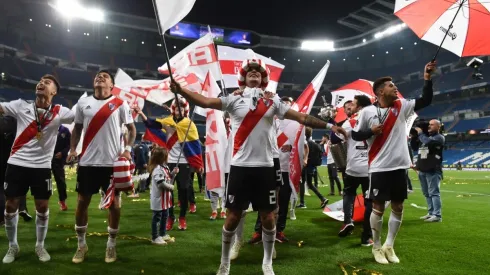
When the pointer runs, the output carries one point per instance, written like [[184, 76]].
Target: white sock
[[223, 204], [81, 232], [111, 242], [239, 229], [227, 239], [214, 198], [11, 221], [41, 227], [394, 224], [268, 239], [293, 203], [376, 221]]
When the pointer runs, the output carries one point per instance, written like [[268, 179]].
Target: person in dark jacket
[[58, 164]]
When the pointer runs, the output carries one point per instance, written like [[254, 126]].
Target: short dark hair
[[362, 100], [380, 82], [308, 132], [109, 73], [347, 102], [54, 79]]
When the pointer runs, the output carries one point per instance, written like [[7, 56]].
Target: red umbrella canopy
[[430, 20]]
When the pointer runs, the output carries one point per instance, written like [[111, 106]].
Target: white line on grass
[[464, 193]]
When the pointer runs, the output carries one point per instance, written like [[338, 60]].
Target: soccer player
[[29, 164], [356, 174], [383, 125], [102, 116], [252, 175]]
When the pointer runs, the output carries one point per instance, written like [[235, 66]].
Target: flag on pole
[[199, 58], [156, 91], [209, 89], [231, 60], [171, 12], [295, 131]]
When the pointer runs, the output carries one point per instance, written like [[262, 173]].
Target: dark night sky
[[304, 19]]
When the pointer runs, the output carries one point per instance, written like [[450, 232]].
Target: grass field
[[458, 245]]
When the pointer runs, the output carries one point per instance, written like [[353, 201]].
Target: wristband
[[128, 148], [329, 126]]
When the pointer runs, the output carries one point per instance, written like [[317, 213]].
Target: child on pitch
[[160, 194]]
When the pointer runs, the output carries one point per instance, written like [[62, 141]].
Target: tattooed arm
[[313, 122]]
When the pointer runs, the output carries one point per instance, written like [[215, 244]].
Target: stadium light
[[107, 37], [30, 19], [364, 40], [68, 30], [299, 60], [387, 52], [415, 43], [284, 59], [344, 59], [391, 30], [357, 58], [3, 74], [372, 55], [73, 9], [317, 45], [401, 48], [142, 42]]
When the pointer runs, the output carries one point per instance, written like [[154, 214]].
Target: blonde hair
[[159, 156]]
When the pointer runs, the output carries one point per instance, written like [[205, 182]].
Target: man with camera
[[429, 165]]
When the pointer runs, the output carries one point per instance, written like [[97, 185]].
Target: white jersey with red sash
[[357, 152], [102, 121], [252, 130], [29, 150], [387, 151], [160, 199]]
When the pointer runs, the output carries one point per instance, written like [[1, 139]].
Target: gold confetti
[[356, 270], [142, 271]]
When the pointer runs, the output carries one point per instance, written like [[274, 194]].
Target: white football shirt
[[228, 153], [392, 154], [105, 147], [330, 159], [273, 138], [27, 150], [252, 130], [160, 199], [357, 152]]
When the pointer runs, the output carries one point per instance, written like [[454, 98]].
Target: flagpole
[[166, 55], [447, 31], [219, 66]]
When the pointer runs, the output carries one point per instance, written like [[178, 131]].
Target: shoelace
[[79, 253], [268, 268], [11, 251]]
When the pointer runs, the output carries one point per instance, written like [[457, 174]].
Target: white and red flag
[[135, 92], [295, 131], [216, 140], [199, 58], [231, 60], [170, 12]]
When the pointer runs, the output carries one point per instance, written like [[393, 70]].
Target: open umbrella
[[459, 26]]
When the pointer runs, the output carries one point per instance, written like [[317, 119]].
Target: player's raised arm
[[313, 122], [196, 98]]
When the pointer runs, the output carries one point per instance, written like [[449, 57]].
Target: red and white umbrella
[[347, 92], [430, 20]]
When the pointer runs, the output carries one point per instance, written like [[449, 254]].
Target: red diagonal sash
[[98, 120], [388, 125], [281, 140], [248, 124], [172, 140], [31, 130]]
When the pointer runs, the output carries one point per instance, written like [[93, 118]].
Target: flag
[[154, 132], [191, 145], [156, 91], [133, 100], [199, 58], [216, 143], [70, 126], [295, 131], [209, 89], [171, 12], [231, 60]]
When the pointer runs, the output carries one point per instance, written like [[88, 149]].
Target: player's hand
[[429, 69], [175, 87], [238, 92], [286, 148], [175, 171], [418, 129], [268, 95], [127, 155], [58, 155], [201, 170], [377, 129], [72, 157], [339, 130]]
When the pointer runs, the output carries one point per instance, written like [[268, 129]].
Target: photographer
[[429, 165]]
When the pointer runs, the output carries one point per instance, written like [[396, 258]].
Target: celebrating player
[[252, 175], [29, 164], [102, 116], [383, 125]]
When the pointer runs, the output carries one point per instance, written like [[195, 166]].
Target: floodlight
[[73, 9], [317, 45]]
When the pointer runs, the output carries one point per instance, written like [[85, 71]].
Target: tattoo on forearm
[[314, 122]]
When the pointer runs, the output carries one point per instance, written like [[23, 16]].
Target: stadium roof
[[322, 19]]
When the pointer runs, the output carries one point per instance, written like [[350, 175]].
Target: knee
[[378, 208], [83, 202], [397, 207], [11, 205], [42, 207]]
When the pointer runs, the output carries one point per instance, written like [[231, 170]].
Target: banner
[[156, 91], [198, 58], [295, 131], [231, 59]]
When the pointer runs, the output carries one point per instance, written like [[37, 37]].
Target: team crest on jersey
[[231, 198], [395, 111], [111, 106], [375, 192], [63, 135]]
